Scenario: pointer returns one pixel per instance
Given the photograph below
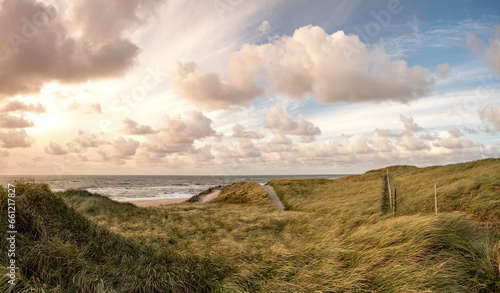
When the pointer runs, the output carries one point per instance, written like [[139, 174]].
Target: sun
[[47, 121]]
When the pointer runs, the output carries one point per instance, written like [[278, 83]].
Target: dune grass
[[335, 236], [243, 193]]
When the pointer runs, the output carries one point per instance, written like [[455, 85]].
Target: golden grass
[[336, 236]]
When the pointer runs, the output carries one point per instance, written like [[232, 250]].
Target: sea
[[120, 188]]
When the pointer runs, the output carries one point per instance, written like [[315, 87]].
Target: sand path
[[274, 197], [209, 196]]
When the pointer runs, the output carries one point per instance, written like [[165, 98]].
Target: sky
[[233, 87]]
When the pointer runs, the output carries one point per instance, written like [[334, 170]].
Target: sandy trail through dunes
[[274, 197]]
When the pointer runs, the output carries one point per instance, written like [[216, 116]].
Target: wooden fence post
[[389, 188], [435, 198], [394, 203]]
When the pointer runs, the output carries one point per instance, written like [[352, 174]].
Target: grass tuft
[[336, 236]]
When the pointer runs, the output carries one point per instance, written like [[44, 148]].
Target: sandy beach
[[155, 202]]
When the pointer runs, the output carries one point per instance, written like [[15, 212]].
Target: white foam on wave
[[147, 198], [153, 192]]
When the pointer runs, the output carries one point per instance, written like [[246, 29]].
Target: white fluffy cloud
[[208, 89], [55, 149], [133, 128], [409, 124], [125, 147], [90, 140], [177, 134], [490, 52], [14, 139], [281, 123], [333, 68], [16, 106], [240, 132], [491, 115], [11, 121]]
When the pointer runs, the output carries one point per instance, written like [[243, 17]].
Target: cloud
[[491, 150], [125, 147], [280, 138], [208, 89], [356, 144], [85, 108], [402, 147], [89, 140], [94, 108], [99, 20], [474, 43], [282, 124], [264, 27], [491, 115], [240, 132], [41, 44], [470, 130], [332, 68], [4, 153], [133, 128], [490, 52], [14, 139], [409, 124], [55, 149], [177, 134], [10, 121], [443, 71], [455, 132], [18, 106]]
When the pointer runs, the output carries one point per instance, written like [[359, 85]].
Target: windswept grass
[[243, 193], [197, 197], [336, 236], [472, 187]]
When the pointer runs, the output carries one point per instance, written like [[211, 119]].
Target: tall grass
[[336, 236]]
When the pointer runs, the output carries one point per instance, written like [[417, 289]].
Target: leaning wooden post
[[389, 188], [394, 203], [435, 199]]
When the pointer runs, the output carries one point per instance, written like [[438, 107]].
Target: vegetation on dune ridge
[[243, 193], [198, 197], [336, 236]]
